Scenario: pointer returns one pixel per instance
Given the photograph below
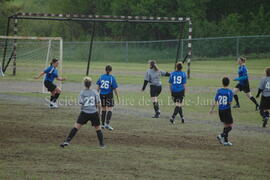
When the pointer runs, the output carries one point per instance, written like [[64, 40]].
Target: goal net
[[26, 57]]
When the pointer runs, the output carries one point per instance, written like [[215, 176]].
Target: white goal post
[[15, 51]]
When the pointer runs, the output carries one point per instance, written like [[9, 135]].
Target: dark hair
[[267, 71], [179, 66], [54, 60], [108, 69], [225, 81], [243, 59], [153, 65], [87, 82]]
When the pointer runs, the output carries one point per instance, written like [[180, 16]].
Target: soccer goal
[[30, 55]]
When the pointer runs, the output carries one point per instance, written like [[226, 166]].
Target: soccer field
[[140, 147]]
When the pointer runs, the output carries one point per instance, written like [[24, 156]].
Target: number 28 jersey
[[89, 99], [107, 84], [177, 80], [224, 98]]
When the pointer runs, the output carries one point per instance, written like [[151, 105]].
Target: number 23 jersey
[[107, 83], [224, 98], [89, 99]]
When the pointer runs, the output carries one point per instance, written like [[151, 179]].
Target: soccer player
[[106, 86], [264, 88], [223, 98], [152, 76], [177, 82], [90, 109], [52, 73], [243, 84]]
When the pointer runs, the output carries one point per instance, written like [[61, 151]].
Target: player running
[[106, 86], [178, 80], [52, 73], [264, 88], [243, 84], [224, 99], [153, 77], [90, 109]]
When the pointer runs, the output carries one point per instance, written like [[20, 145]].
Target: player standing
[[153, 77], [264, 88], [52, 73], [223, 98], [177, 82], [243, 84], [106, 86], [90, 110]]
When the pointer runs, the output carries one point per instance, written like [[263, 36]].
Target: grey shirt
[[89, 99], [265, 86], [153, 77]]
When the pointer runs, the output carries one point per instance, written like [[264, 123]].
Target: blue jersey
[[224, 98], [51, 73], [243, 75], [107, 84], [177, 80]]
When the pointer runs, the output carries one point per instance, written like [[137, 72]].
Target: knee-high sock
[[52, 98], [267, 113], [109, 116], [156, 107], [100, 137], [262, 113], [226, 131], [56, 96], [181, 112], [72, 134], [254, 101], [236, 99], [176, 111], [103, 116]]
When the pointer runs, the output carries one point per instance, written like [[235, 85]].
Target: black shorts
[[178, 96], [265, 103], [155, 90], [50, 86], [226, 116], [85, 117], [244, 88], [107, 100]]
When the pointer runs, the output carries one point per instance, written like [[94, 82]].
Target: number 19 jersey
[[107, 84], [177, 80], [89, 99], [224, 98]]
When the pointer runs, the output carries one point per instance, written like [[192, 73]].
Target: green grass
[[140, 147]]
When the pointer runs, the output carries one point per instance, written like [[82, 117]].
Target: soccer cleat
[[257, 108], [236, 106], [157, 115], [182, 119], [64, 144], [265, 121], [220, 139], [227, 144], [102, 146], [172, 120], [53, 105], [107, 126]]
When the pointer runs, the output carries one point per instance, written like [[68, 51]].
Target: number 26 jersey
[[107, 83], [89, 99]]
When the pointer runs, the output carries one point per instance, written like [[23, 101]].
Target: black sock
[[181, 112], [109, 116], [156, 107], [262, 113], [52, 98], [254, 101], [100, 137], [236, 99], [72, 134], [56, 96], [267, 113], [222, 134], [103, 116], [176, 110], [226, 133]]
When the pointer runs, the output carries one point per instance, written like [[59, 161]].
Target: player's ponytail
[[153, 65], [54, 60], [108, 69], [87, 82], [267, 71]]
